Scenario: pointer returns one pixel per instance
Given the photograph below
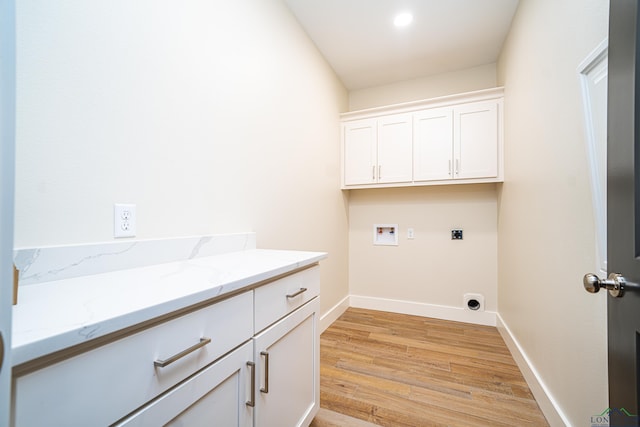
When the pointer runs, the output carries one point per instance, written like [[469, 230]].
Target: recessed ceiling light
[[403, 19]]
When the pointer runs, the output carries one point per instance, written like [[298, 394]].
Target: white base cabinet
[[249, 360], [287, 365], [216, 396], [100, 386]]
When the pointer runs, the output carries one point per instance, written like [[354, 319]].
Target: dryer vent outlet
[[474, 302]]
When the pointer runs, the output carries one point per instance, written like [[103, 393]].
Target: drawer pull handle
[[265, 389], [1, 350], [295, 294], [252, 401], [183, 353]]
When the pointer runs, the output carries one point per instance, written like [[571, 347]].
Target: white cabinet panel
[[216, 396], [359, 152], [287, 367], [433, 144], [73, 392], [275, 300], [394, 149], [476, 140]]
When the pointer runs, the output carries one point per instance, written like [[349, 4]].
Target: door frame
[[7, 182], [587, 70]]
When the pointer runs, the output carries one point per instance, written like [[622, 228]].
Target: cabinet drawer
[[103, 385], [218, 395], [275, 300]]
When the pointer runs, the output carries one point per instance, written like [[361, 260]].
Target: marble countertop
[[52, 316]]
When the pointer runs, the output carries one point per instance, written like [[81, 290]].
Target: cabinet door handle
[[379, 172], [373, 172], [183, 353], [295, 294], [252, 401], [449, 167], [265, 389], [1, 350], [457, 166]]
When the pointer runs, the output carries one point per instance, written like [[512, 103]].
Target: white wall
[[546, 227], [211, 116], [431, 269], [476, 78]]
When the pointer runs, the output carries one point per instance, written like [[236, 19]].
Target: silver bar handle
[[457, 166], [183, 353], [449, 167], [265, 389], [252, 401], [295, 294], [373, 172], [379, 172], [1, 350]]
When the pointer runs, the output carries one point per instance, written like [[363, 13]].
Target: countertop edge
[[87, 333]]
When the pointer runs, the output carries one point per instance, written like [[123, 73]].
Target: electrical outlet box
[[385, 234], [124, 220], [456, 234]]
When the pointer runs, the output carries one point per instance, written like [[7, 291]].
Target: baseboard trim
[[547, 403], [444, 312], [333, 313]]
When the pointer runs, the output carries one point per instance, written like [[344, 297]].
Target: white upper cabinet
[[394, 149], [451, 140], [476, 140], [360, 152], [378, 150], [433, 144]]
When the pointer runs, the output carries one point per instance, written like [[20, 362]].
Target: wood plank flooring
[[392, 369]]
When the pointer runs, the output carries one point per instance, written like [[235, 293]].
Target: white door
[[433, 144], [359, 145], [394, 149], [476, 140], [7, 150], [287, 370]]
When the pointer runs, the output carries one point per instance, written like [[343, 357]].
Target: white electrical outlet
[[124, 220], [410, 234]]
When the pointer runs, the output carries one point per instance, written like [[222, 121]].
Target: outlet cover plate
[[124, 220], [456, 234]]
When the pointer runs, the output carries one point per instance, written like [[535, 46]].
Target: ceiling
[[359, 40]]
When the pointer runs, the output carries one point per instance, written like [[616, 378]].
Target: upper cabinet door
[[394, 149], [433, 145], [476, 140], [359, 150]]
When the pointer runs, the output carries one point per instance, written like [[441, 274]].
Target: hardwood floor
[[397, 370]]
